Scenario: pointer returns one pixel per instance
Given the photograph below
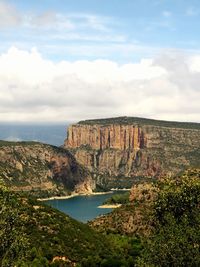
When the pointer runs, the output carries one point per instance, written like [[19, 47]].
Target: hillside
[[41, 169], [35, 235], [165, 215], [133, 217], [121, 151], [41, 233]]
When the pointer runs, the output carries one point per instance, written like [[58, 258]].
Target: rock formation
[[41, 169], [121, 151]]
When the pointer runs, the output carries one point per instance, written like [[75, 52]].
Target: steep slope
[[33, 234], [137, 216], [133, 217], [121, 151], [43, 170]]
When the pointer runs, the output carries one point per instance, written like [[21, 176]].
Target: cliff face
[[119, 153], [41, 169], [99, 137]]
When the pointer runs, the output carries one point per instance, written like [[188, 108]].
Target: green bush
[[122, 198], [175, 240]]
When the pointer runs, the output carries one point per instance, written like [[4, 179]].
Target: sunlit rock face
[[121, 151], [42, 170]]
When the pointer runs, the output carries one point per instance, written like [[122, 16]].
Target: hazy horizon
[[67, 123], [48, 134]]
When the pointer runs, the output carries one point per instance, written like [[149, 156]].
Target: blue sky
[[118, 30], [68, 60]]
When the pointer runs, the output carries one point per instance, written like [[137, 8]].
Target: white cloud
[[76, 36], [56, 22], [56, 26], [9, 16], [51, 20], [35, 89], [99, 23]]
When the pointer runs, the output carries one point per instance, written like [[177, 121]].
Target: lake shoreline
[[74, 195], [109, 206], [83, 207]]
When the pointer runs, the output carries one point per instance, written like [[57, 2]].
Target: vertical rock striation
[[99, 137], [121, 151]]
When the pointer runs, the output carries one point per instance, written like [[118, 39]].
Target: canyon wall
[[121, 151], [42, 170]]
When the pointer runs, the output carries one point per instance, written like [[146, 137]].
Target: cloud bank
[[33, 89]]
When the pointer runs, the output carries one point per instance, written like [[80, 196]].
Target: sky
[[63, 60]]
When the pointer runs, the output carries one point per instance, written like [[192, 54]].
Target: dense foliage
[[14, 242], [175, 240], [121, 198], [33, 234], [166, 217]]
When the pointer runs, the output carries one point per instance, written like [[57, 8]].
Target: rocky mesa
[[41, 169], [121, 151]]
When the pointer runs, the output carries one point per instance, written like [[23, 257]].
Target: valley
[[158, 161]]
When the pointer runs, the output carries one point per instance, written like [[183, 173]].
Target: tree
[[175, 239], [13, 242]]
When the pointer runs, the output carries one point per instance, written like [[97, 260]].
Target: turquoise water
[[82, 208]]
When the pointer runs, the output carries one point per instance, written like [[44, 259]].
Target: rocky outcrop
[[41, 169], [121, 151], [133, 217]]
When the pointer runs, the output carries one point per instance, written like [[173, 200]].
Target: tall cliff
[[120, 151], [41, 169]]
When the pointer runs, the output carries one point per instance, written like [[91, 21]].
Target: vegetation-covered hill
[[33, 234], [175, 236], [166, 217], [121, 198], [133, 217], [142, 121]]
